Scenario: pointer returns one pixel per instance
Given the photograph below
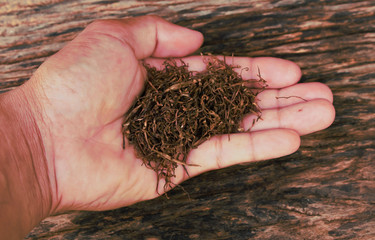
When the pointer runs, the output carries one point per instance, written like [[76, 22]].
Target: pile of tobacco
[[181, 109]]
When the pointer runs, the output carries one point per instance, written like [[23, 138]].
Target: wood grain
[[324, 191]]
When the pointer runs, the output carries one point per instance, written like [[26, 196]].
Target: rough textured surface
[[324, 191]]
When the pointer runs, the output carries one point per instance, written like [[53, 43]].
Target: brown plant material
[[180, 109]]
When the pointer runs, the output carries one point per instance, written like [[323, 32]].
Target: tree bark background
[[326, 190]]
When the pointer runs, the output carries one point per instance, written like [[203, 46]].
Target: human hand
[[81, 93]]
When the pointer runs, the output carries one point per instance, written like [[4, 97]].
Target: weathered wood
[[324, 191]]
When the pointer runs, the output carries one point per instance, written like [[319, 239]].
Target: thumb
[[149, 36]]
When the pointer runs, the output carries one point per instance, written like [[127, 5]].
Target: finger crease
[[278, 108], [156, 39], [252, 148], [219, 151]]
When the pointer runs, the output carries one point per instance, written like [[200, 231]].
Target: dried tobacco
[[180, 109]]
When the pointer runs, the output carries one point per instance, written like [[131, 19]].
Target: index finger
[[277, 72]]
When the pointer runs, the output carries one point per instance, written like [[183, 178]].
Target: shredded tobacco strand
[[180, 109]]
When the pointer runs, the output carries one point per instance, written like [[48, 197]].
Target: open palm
[[84, 90]]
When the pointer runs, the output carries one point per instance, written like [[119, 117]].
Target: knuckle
[[151, 18], [100, 24]]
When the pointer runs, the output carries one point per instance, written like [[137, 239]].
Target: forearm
[[24, 186]]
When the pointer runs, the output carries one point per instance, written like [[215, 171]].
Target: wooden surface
[[324, 191]]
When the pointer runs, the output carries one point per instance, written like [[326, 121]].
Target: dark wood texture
[[324, 191]]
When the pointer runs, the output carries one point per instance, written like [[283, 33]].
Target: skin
[[78, 96]]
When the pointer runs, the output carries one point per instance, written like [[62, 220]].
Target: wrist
[[25, 185]]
